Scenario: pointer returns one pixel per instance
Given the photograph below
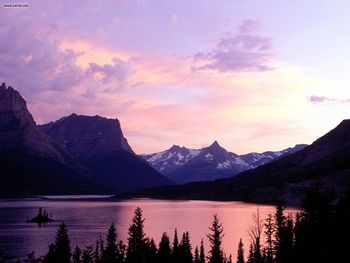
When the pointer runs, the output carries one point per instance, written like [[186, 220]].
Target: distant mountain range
[[324, 164], [183, 165], [74, 155]]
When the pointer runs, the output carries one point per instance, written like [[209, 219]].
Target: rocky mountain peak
[[174, 148], [215, 145], [11, 100]]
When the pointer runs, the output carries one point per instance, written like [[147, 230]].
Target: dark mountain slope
[[30, 161]]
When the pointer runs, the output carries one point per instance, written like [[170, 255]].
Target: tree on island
[[41, 218]]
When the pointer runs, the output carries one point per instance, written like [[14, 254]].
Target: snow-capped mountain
[[169, 160], [183, 165]]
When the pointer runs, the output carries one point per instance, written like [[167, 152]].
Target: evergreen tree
[[111, 252], [251, 254], [280, 220], [284, 237], [185, 249], [196, 255], [60, 251], [175, 249], [77, 255], [137, 243], [164, 251], [240, 252], [215, 238], [269, 232], [152, 252], [51, 254], [201, 253], [229, 260], [98, 252], [88, 255], [121, 251]]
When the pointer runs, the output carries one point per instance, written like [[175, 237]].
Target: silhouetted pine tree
[[215, 238], [314, 229], [196, 255], [251, 254], [98, 252], [88, 255], [77, 255], [164, 250], [240, 252], [137, 243], [111, 251], [289, 240], [152, 251], [185, 249], [280, 222], [175, 249], [60, 251], [229, 260], [201, 253], [269, 233]]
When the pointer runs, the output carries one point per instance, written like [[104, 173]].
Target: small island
[[41, 218]]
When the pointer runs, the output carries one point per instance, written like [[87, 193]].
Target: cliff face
[[31, 162], [15, 119], [87, 135], [18, 129], [100, 145]]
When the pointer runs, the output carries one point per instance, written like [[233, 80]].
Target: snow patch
[[208, 156]]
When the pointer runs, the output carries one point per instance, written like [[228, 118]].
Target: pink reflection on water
[[87, 219]]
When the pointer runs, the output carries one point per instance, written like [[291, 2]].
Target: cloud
[[248, 26], [242, 51], [325, 100], [172, 18], [119, 70]]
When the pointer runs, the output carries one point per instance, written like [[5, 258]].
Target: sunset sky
[[255, 75]]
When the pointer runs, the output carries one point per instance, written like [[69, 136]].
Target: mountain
[[324, 164], [99, 144], [184, 165], [30, 161]]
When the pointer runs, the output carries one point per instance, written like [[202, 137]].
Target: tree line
[[318, 233]]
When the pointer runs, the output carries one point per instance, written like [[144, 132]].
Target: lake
[[88, 217]]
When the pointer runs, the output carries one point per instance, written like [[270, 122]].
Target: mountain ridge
[[183, 165], [324, 164]]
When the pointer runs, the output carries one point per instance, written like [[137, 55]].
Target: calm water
[[88, 219]]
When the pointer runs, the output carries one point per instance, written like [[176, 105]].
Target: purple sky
[[254, 75]]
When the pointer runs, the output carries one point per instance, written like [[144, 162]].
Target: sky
[[255, 75]]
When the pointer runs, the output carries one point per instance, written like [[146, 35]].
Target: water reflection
[[87, 219]]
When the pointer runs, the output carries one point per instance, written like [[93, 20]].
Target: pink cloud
[[322, 100], [119, 69], [242, 51]]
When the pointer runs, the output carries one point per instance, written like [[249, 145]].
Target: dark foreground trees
[[313, 235]]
